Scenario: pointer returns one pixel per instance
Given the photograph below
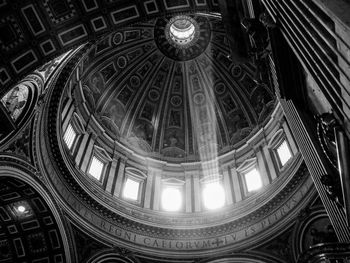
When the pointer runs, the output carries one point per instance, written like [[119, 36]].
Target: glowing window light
[[284, 153], [69, 136], [96, 168], [131, 189], [21, 209], [171, 199], [253, 180], [213, 195], [182, 30]]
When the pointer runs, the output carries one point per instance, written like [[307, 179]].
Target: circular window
[[181, 31], [182, 37]]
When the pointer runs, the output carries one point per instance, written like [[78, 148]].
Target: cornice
[[15, 167], [113, 226]]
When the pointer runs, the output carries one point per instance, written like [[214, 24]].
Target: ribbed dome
[[174, 103]]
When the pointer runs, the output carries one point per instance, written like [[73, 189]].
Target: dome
[[174, 101], [172, 131], [170, 149]]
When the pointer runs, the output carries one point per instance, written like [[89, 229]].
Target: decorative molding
[[19, 169]]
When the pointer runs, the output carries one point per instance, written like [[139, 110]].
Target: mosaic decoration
[[47, 69], [15, 101]]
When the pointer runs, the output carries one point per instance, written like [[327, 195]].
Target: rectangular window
[[96, 168], [253, 180], [69, 136], [131, 189], [284, 153], [171, 198]]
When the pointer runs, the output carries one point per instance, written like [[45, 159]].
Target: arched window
[[17, 105]]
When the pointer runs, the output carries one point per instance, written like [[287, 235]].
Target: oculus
[[181, 31], [182, 37]]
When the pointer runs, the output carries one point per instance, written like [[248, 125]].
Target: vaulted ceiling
[[34, 32], [31, 233], [170, 102]]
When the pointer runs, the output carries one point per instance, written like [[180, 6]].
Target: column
[[290, 138], [66, 108], [188, 192], [148, 190], [87, 153], [197, 193], [227, 186], [343, 151], [111, 176], [264, 173], [236, 185], [82, 148], [157, 189], [316, 164], [270, 163], [120, 177], [68, 117]]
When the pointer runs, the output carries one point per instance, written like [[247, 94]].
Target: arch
[[250, 257], [18, 171], [136, 172], [109, 256], [16, 100], [17, 106], [247, 165], [102, 153], [276, 138], [314, 228], [79, 123]]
